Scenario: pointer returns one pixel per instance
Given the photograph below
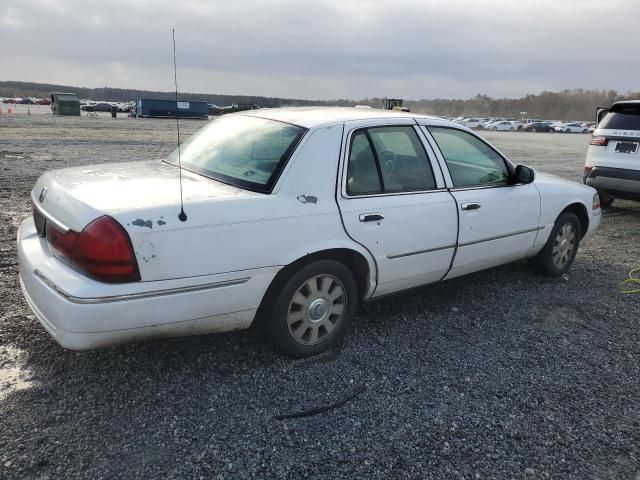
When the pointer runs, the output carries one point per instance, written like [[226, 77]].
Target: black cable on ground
[[315, 411]]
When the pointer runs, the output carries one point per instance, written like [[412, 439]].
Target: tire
[[557, 256], [534, 129], [494, 129], [585, 131], [567, 131], [306, 317], [551, 130], [511, 129], [605, 199]]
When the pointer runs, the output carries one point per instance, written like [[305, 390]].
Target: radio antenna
[[182, 216]]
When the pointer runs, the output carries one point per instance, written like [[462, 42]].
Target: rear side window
[[388, 159], [622, 117], [470, 161], [362, 173]]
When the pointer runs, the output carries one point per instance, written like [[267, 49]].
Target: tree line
[[576, 104]]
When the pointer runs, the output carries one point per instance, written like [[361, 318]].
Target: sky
[[327, 49]]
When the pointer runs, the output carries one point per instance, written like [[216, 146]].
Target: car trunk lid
[[74, 197]]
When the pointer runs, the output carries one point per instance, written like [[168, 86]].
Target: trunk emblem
[[43, 193]]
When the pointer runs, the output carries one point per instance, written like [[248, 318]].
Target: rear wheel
[[551, 130], [313, 310], [605, 199], [560, 250]]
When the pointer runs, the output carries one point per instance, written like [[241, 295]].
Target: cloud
[[328, 49]]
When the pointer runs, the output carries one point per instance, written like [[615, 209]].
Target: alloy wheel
[[564, 245], [316, 309]]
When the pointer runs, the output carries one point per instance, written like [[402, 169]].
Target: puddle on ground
[[14, 375]]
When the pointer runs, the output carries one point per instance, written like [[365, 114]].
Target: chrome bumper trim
[[137, 296]]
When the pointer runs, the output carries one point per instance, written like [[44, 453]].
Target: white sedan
[[292, 218], [571, 128], [504, 126]]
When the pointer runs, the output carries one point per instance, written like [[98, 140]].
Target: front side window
[[388, 159], [470, 161], [244, 151]]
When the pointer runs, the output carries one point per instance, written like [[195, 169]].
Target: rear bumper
[[58, 297], [618, 182]]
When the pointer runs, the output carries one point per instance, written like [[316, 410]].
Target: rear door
[[499, 221], [393, 201]]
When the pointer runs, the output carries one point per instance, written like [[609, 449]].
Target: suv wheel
[[605, 199], [560, 250], [313, 311]]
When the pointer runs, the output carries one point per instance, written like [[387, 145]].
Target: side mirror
[[524, 174]]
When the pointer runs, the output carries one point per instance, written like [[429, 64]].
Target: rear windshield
[[623, 117], [243, 151]]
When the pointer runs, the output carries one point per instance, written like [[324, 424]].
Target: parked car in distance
[[538, 127], [612, 165], [471, 122], [504, 126], [294, 217], [570, 128]]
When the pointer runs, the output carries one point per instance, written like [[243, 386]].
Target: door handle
[[371, 217], [470, 206]]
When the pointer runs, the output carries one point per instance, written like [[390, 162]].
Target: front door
[[499, 221], [393, 202]]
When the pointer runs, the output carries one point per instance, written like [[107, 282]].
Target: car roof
[[311, 117], [622, 102]]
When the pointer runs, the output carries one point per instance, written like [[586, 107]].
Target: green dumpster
[[65, 104]]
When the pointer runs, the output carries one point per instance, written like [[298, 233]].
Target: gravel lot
[[500, 374]]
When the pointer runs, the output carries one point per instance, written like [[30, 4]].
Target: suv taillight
[[599, 141], [102, 250]]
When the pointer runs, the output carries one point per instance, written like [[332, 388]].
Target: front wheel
[[313, 310], [560, 250]]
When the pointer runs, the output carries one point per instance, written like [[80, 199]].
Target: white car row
[[501, 124]]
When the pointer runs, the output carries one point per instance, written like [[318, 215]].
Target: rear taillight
[[102, 250], [587, 171], [599, 141], [61, 243], [596, 202]]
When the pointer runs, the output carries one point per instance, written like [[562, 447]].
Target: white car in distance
[[471, 122], [502, 126], [293, 218], [570, 128]]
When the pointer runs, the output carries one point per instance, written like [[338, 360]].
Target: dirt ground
[[500, 374]]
